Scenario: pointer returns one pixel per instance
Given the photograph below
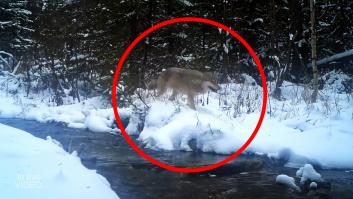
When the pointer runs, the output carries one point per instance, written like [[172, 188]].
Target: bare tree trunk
[[313, 51], [28, 79], [277, 67]]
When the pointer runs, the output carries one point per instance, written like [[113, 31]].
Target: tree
[[15, 32], [313, 51]]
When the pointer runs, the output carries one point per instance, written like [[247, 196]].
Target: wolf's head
[[210, 82], [209, 85]]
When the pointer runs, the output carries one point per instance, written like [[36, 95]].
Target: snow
[[179, 127], [225, 48], [80, 115], [186, 58], [215, 132], [334, 81], [76, 125], [313, 185], [259, 20], [35, 168], [98, 122], [307, 172], [8, 109], [78, 57], [341, 55], [19, 10], [320, 133], [286, 180], [186, 3], [91, 113], [4, 23], [182, 35], [3, 52], [291, 36]]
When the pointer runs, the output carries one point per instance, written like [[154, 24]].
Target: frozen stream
[[132, 177]]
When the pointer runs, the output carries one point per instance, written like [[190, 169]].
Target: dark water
[[132, 177]]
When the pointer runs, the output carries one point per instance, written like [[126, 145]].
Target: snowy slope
[[35, 168]]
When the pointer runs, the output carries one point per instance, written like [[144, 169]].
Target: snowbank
[[320, 133], [174, 128], [89, 114], [35, 168], [308, 139], [286, 180]]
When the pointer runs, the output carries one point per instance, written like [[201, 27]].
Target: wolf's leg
[[161, 88], [191, 102], [172, 97]]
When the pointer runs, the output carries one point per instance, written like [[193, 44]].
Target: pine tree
[[16, 29]]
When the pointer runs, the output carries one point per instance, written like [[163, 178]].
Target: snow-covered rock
[[307, 172], [313, 185], [287, 180], [97, 123]]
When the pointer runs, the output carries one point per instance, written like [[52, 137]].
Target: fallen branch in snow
[[3, 60], [333, 58], [17, 66], [142, 100], [6, 53]]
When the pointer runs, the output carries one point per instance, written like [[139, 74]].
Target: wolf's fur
[[184, 81]]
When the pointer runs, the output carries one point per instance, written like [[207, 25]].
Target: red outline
[[143, 35]]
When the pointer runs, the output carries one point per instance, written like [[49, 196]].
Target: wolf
[[184, 81]]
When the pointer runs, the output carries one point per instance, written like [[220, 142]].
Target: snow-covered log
[[6, 53], [326, 60]]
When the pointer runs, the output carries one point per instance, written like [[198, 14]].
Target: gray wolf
[[184, 81]]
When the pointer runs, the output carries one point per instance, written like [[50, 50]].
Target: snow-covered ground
[[305, 139], [36, 168], [89, 114], [318, 133], [94, 113]]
